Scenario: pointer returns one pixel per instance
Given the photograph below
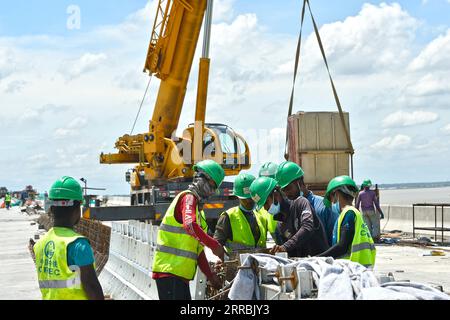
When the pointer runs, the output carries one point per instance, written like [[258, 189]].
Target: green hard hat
[[336, 183], [268, 169], [241, 188], [367, 183], [260, 189], [287, 172], [66, 188], [212, 169]]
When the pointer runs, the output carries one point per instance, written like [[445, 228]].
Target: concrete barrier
[[128, 273], [400, 217]]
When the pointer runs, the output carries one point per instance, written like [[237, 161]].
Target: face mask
[[336, 206], [274, 209], [203, 187]]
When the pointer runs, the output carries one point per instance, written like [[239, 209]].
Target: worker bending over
[[64, 258], [370, 207], [242, 227], [290, 177], [182, 236], [351, 238], [302, 233], [269, 169]]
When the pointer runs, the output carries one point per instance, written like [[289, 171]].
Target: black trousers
[[173, 288]]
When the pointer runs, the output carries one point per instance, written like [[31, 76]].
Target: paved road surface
[[18, 279]]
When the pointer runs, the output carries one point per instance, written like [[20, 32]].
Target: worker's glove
[[381, 216], [215, 281], [218, 251]]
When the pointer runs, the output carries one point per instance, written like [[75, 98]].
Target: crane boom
[[159, 154]]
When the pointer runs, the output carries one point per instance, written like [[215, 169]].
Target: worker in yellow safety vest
[[351, 237], [241, 227], [269, 169], [7, 200], [64, 258], [183, 235]]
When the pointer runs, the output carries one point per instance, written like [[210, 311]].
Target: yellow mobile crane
[[163, 161]]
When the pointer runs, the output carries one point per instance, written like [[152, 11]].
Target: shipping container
[[318, 143]]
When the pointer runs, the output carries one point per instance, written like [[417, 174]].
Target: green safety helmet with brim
[[212, 169], [64, 191], [260, 190], [268, 169], [287, 172], [367, 183], [336, 183], [241, 188]]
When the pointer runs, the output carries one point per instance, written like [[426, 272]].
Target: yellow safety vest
[[271, 222], [242, 234], [362, 249], [57, 280], [177, 251], [8, 198]]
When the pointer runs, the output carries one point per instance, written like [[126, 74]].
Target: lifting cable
[[142, 102], [336, 98]]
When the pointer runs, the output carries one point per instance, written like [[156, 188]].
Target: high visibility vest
[[242, 233], [57, 280], [270, 221], [362, 248], [176, 250], [8, 198]]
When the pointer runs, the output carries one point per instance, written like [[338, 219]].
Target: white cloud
[[399, 141], [72, 129], [39, 112], [223, 10], [406, 119], [7, 63], [86, 63], [15, 86], [378, 39], [446, 129], [431, 84], [435, 56]]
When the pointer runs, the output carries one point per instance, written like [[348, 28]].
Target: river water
[[410, 196]]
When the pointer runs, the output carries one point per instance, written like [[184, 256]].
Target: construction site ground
[[18, 280]]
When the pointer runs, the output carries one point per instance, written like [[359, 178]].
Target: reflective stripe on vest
[[243, 238], [173, 229], [60, 284], [177, 251], [57, 280], [362, 249]]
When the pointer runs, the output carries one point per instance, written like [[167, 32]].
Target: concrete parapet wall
[[400, 217], [118, 201]]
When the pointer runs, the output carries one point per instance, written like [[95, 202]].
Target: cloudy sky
[[69, 88]]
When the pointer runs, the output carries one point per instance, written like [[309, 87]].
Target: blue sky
[[66, 95], [25, 17]]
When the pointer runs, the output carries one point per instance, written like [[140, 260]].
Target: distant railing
[[436, 229]]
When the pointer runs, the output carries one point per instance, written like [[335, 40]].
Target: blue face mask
[[336, 207], [274, 209]]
